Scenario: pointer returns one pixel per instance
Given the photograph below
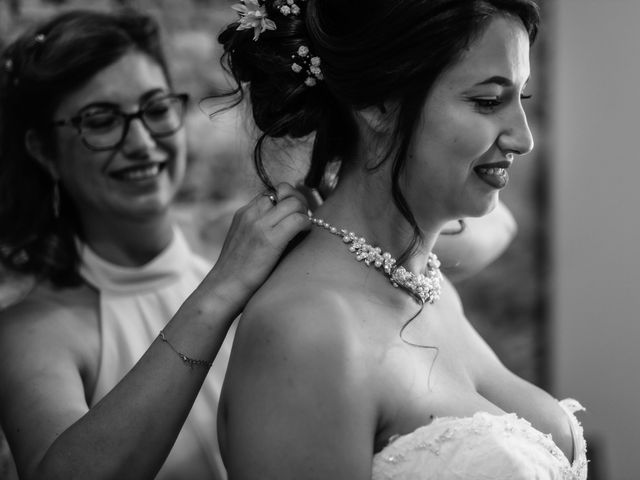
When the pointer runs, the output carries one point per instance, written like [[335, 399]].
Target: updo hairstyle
[[371, 51]]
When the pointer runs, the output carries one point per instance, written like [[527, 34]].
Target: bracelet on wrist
[[191, 362]]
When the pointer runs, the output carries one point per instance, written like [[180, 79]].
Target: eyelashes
[[488, 104], [483, 105]]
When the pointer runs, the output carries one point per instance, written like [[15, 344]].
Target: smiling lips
[[494, 174], [139, 172]]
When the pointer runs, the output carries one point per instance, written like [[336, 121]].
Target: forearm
[[130, 432]]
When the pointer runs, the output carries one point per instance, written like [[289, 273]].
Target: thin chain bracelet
[[188, 360]]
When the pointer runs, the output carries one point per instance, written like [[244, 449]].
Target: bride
[[355, 359]]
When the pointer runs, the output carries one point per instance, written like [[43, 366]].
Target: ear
[[378, 119], [34, 144]]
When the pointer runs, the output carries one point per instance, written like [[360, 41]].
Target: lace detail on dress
[[483, 446], [579, 466]]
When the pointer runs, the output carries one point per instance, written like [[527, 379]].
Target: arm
[[128, 434], [296, 400], [481, 242]]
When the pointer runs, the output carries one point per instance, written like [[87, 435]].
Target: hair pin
[[304, 62], [287, 7]]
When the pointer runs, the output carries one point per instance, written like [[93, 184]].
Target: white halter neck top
[[135, 304]]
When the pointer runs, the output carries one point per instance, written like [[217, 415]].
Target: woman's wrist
[[220, 296], [201, 324]]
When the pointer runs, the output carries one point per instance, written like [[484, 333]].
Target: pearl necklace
[[425, 287]]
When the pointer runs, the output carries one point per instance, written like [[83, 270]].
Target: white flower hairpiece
[[304, 62], [253, 15], [287, 7]]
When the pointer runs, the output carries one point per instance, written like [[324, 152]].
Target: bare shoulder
[[48, 350], [56, 327], [298, 386], [296, 316], [50, 316], [298, 331]]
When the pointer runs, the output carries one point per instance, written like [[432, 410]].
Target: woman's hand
[[259, 233]]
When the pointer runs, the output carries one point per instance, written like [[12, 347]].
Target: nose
[[516, 136], [138, 139]]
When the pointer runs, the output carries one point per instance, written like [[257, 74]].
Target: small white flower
[[285, 10], [310, 82], [296, 68], [295, 9], [303, 51], [315, 61], [253, 15]]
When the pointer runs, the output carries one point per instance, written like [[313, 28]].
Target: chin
[[148, 208], [481, 207]]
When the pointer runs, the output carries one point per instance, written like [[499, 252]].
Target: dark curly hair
[[38, 69], [371, 51]]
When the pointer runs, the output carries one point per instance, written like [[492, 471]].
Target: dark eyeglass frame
[[76, 120]]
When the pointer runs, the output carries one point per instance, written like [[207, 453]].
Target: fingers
[[261, 210], [288, 217], [287, 207], [285, 190], [259, 233], [313, 197], [291, 201], [266, 200], [272, 197], [289, 227], [269, 199]]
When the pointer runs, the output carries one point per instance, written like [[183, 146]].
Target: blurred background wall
[[595, 174]]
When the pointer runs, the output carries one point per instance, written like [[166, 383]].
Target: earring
[[56, 199]]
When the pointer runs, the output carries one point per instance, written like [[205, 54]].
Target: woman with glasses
[[96, 381]]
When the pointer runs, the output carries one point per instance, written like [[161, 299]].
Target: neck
[[367, 209], [129, 242]]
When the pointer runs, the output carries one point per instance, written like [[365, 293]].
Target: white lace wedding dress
[[482, 447]]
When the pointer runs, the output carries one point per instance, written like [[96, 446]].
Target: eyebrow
[[143, 99], [498, 80]]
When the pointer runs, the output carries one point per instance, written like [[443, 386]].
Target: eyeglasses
[[105, 127]]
